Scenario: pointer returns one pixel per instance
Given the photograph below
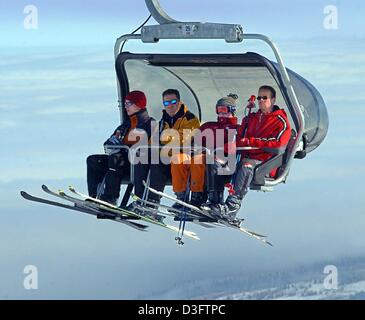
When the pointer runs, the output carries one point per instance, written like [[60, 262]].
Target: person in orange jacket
[[176, 128]]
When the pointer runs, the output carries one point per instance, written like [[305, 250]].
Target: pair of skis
[[206, 214], [105, 210], [175, 213], [85, 208], [101, 209]]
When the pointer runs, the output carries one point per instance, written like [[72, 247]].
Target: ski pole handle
[[251, 103], [230, 188], [250, 106]]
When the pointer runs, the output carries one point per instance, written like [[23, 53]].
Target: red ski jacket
[[262, 130], [220, 127]]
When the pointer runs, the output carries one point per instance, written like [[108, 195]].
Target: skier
[[267, 128], [111, 166], [175, 130], [185, 165]]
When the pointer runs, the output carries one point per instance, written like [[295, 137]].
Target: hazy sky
[[58, 104], [74, 22]]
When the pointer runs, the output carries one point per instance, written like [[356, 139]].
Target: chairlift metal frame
[[170, 29]]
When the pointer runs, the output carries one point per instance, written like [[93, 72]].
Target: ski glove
[[111, 144], [244, 142]]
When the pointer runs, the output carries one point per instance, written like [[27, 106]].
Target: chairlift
[[203, 78]]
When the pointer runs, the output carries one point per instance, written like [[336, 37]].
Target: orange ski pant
[[183, 165]]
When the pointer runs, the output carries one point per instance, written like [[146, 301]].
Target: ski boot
[[149, 211], [215, 203], [109, 199], [180, 196], [220, 210], [197, 199], [233, 204]]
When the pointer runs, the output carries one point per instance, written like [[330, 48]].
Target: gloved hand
[[244, 142], [111, 143], [113, 140]]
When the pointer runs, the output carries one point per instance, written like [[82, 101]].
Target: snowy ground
[[304, 283], [311, 290]]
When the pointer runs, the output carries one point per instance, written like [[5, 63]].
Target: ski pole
[[183, 216]]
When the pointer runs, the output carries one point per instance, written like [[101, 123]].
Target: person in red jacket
[[212, 135], [268, 128]]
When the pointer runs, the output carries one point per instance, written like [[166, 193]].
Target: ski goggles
[[225, 109], [169, 102], [259, 98]]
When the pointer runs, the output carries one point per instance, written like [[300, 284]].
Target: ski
[[78, 202], [202, 212], [116, 209], [176, 213], [83, 209], [104, 212], [197, 220]]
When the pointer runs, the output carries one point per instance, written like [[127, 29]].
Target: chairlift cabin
[[203, 78]]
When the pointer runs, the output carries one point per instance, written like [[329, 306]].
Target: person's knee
[[154, 171], [247, 167], [199, 160], [92, 161], [179, 158], [116, 160]]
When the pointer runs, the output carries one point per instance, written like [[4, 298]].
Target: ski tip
[[71, 188], [26, 195], [61, 192], [255, 234], [258, 234], [192, 235]]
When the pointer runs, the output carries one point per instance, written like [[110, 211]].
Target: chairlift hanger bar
[[171, 29], [158, 13]]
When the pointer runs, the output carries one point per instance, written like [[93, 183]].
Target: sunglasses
[[169, 102], [259, 98], [128, 103]]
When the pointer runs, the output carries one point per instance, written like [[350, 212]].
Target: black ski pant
[[113, 168], [97, 167], [160, 174], [217, 175]]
